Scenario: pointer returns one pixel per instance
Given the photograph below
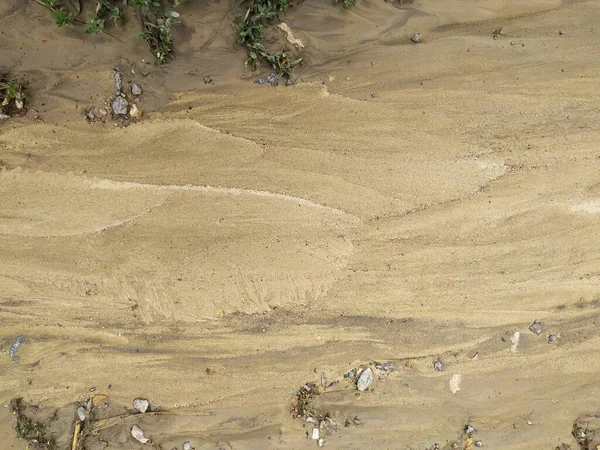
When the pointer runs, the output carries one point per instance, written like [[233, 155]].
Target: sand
[[401, 203]]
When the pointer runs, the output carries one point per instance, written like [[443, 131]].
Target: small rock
[[136, 89], [478, 444], [315, 433], [92, 389], [141, 404], [208, 79], [134, 112], [552, 338], [416, 37], [187, 445], [120, 105], [272, 79], [81, 413], [321, 442], [118, 80], [350, 374], [138, 434], [4, 117], [365, 379], [438, 365], [385, 367], [102, 112], [19, 102], [536, 327], [90, 116], [469, 429]]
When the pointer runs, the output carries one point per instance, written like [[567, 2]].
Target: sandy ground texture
[[403, 202]]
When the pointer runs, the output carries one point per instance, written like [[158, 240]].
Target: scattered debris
[[136, 89], [365, 379], [384, 367], [120, 105], [300, 407], [536, 327], [289, 36], [455, 383], [552, 338], [141, 404], [138, 434], [187, 445], [272, 79], [34, 433], [76, 431], [81, 413], [89, 113], [586, 431], [496, 33], [208, 79], [438, 365], [515, 341], [416, 37], [12, 352], [12, 98], [354, 421]]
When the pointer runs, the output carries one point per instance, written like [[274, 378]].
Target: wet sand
[[401, 203]]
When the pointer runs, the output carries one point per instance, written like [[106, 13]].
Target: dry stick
[[76, 19], [76, 434]]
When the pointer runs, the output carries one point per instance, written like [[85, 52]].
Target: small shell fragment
[[138, 434], [365, 379]]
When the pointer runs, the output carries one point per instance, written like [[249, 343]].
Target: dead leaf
[[98, 399]]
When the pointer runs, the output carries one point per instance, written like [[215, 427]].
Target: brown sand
[[402, 202]]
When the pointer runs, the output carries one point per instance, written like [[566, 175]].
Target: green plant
[[62, 17], [159, 35], [350, 3], [251, 29], [27, 429], [145, 4], [93, 26]]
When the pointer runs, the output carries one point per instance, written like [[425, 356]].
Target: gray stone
[[536, 327], [416, 37], [136, 89], [365, 379], [118, 80], [81, 413], [120, 105], [438, 365]]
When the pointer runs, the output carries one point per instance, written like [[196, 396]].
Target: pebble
[[469, 429], [365, 379], [416, 37], [208, 79], [135, 112], [141, 404], [321, 442], [350, 374], [81, 413], [478, 444], [136, 89], [438, 365], [89, 114], [187, 445], [552, 338], [138, 434], [272, 79], [536, 327], [119, 106]]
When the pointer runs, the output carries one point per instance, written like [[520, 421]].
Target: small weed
[[26, 428], [62, 17], [351, 3], [158, 35], [145, 4], [12, 96], [251, 29], [93, 25]]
